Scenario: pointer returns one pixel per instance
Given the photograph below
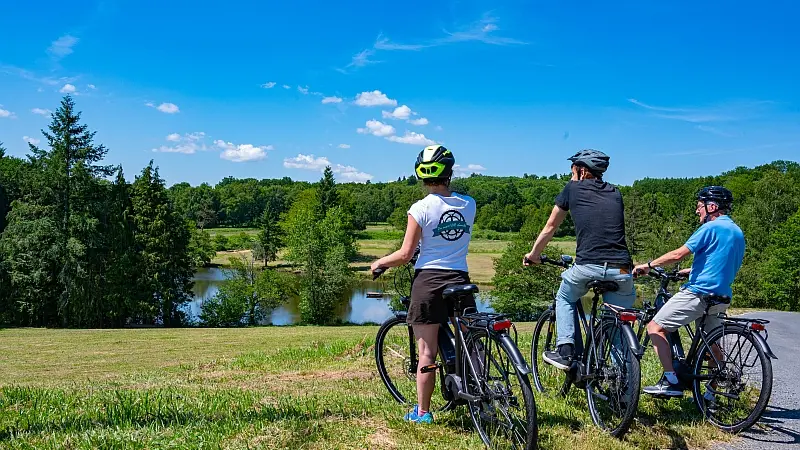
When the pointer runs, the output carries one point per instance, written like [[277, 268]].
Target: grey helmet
[[594, 160]]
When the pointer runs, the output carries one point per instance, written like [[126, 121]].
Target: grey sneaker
[[664, 389]]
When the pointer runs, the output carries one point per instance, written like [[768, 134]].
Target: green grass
[[293, 387]]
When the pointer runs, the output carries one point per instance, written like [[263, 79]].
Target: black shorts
[[427, 304]]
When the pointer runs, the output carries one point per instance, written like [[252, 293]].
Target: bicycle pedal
[[430, 368]]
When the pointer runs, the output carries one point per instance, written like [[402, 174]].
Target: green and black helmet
[[434, 162]]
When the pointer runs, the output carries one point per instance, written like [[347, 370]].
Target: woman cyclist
[[440, 224]]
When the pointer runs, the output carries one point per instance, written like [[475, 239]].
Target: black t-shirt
[[597, 210]]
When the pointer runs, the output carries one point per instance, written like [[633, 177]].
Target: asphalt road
[[779, 427]]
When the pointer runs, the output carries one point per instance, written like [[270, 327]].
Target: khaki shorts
[[686, 306]]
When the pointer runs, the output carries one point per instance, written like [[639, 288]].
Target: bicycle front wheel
[[505, 415], [546, 378], [733, 394], [612, 390], [397, 360]]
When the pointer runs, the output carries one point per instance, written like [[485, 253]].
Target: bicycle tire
[[393, 385], [527, 438], [545, 376], [629, 379], [766, 384]]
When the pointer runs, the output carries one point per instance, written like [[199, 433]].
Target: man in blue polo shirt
[[718, 248]]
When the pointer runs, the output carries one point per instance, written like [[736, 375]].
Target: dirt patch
[[382, 438], [333, 375]]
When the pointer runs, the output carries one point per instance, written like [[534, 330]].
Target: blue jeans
[[573, 287]]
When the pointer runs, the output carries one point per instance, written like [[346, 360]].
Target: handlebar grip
[[377, 272]]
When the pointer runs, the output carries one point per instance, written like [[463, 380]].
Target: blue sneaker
[[414, 416]]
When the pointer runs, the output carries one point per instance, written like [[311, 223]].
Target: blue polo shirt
[[718, 248]]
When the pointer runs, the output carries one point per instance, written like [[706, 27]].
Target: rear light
[[501, 325], [757, 326], [627, 317]]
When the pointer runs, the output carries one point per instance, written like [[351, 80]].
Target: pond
[[355, 306]]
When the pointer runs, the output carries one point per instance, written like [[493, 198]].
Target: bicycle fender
[[764, 345], [514, 353], [637, 349]]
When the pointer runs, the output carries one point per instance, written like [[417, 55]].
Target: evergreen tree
[[162, 241], [326, 191]]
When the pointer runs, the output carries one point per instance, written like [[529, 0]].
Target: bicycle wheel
[[546, 378], [613, 390], [396, 358], [505, 416], [743, 383]]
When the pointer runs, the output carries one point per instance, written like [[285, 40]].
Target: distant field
[[379, 239]]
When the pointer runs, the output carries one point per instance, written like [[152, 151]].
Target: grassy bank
[[293, 387], [379, 240]]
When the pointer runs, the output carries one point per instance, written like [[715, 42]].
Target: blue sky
[[271, 89]]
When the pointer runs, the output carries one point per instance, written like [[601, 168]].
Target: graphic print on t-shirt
[[451, 226]]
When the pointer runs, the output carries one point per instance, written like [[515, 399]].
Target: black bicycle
[[607, 369], [478, 365], [720, 362]]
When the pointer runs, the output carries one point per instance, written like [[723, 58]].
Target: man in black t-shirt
[[601, 254]]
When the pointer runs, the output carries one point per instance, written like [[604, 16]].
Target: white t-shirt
[[446, 224]]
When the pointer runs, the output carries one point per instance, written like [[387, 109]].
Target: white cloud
[[438, 128], [344, 145], [377, 128], [168, 108], [150, 104], [241, 152], [311, 162], [286, 86], [67, 89], [401, 112], [91, 86], [412, 138], [188, 144], [302, 90], [420, 121], [30, 140], [361, 59], [62, 46], [460, 171], [6, 114], [269, 85], [331, 100], [374, 98], [41, 111]]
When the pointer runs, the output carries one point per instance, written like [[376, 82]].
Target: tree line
[[82, 247]]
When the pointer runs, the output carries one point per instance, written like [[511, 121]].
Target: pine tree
[[162, 241], [326, 192], [270, 239]]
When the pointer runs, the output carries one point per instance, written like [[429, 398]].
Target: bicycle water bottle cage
[[602, 286], [714, 299]]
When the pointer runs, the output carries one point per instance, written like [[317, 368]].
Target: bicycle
[[476, 365], [609, 371], [708, 364]]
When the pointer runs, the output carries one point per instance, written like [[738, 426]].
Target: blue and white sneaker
[[414, 416]]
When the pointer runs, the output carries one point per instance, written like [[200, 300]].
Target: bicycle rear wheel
[[613, 390], [546, 378], [743, 383], [505, 416], [396, 358]]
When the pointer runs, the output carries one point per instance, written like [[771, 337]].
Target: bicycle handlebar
[[661, 274], [545, 259]]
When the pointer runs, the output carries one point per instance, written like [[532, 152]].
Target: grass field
[[293, 387], [379, 240]]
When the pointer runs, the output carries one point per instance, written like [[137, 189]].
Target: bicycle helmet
[[717, 194], [594, 160], [434, 162]]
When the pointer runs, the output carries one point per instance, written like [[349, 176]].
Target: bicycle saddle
[[459, 290], [714, 299], [600, 286]]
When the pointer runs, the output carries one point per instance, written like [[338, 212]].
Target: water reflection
[[355, 306]]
